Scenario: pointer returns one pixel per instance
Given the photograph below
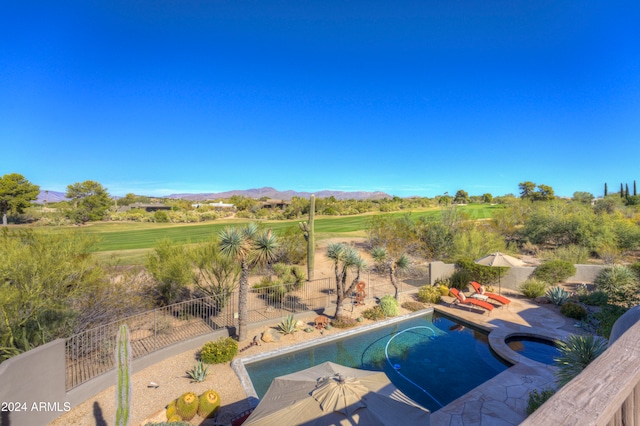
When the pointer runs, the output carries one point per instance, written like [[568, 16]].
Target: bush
[[444, 289], [389, 306], [619, 282], [636, 269], [460, 279], [218, 352], [480, 273], [595, 298], [374, 314], [571, 253], [413, 306], [430, 294], [344, 322], [554, 271], [607, 317], [537, 399], [574, 310], [533, 288]]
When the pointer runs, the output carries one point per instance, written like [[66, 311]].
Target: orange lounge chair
[[461, 299], [477, 287]]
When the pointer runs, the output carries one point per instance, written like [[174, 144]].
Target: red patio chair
[[478, 288], [462, 299]]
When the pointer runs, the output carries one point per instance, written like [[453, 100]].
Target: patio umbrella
[[499, 259], [332, 394]]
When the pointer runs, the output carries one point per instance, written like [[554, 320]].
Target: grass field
[[129, 242]]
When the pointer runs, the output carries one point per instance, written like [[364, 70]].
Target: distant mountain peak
[[284, 195]]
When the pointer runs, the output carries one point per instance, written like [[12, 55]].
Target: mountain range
[[54, 196], [285, 195]]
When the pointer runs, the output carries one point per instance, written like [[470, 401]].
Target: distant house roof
[[272, 204]]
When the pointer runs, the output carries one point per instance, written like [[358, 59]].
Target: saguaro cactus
[[308, 230], [123, 388]]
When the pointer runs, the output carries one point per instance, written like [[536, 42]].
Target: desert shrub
[[161, 217], [533, 288], [558, 295], [444, 289], [374, 314], [554, 271], [607, 316], [571, 253], [576, 353], [619, 282], [430, 294], [574, 310], [460, 279], [636, 269], [480, 273], [344, 322], [389, 305], [217, 352], [595, 298], [271, 290], [536, 399], [412, 306]]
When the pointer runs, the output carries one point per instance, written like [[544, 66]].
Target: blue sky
[[408, 97]]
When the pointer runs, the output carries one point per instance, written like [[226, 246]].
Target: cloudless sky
[[422, 97]]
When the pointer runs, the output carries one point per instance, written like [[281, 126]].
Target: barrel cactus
[[171, 409], [209, 404], [187, 406]]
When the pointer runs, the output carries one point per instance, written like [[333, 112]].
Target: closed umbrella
[[332, 394], [501, 260]]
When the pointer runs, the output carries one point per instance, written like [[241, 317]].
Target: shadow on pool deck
[[502, 400]]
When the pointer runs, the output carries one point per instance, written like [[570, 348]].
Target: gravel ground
[[148, 403]]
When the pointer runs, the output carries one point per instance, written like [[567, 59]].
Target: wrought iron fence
[[90, 353]]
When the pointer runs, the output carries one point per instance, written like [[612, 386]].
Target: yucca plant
[[199, 372], [575, 354], [288, 325], [558, 295]]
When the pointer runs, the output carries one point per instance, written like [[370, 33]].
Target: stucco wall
[[33, 383], [38, 376]]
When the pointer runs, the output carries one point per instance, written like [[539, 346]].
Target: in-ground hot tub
[[536, 348]]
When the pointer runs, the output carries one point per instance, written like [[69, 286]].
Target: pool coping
[[238, 365], [497, 335]]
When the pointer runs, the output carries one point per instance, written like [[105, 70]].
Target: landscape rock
[[270, 335], [542, 300], [301, 325]]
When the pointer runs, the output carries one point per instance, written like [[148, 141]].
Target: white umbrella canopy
[[501, 260], [332, 394]]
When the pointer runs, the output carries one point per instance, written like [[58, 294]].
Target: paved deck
[[502, 400]]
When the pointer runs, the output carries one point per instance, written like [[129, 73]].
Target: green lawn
[[131, 236]]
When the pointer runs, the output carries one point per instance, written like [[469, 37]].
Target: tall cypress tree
[[606, 190], [634, 188], [626, 190], [621, 190]]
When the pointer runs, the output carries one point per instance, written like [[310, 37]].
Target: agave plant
[[199, 372], [558, 295], [288, 325], [575, 354]]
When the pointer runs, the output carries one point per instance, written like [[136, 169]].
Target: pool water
[[432, 358], [541, 350]]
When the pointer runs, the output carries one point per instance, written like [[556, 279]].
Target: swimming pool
[[431, 358]]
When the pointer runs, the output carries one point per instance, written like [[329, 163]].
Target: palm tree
[[250, 247], [392, 264], [344, 258]]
